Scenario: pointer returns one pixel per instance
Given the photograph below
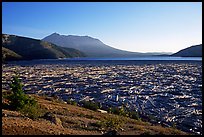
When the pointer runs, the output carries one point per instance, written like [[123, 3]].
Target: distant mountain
[[90, 46], [193, 51], [28, 48]]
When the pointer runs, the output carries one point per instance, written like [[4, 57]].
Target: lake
[[141, 58], [112, 61]]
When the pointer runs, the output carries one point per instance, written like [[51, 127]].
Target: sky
[[131, 26]]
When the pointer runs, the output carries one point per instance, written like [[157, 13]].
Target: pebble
[[4, 115]]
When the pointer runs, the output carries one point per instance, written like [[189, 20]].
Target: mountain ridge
[[192, 51], [92, 47], [29, 48]]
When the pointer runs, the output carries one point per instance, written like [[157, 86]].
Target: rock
[[4, 115], [121, 129], [48, 116], [5, 101], [53, 118], [27, 118], [112, 133]]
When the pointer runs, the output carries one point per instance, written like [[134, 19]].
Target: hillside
[[92, 47], [70, 119], [8, 55], [193, 51], [29, 48]]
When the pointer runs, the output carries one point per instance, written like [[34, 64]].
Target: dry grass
[[76, 120]]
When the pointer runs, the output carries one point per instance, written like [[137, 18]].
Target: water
[[141, 58], [108, 61]]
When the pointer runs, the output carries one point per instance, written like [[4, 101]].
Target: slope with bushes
[[24, 114]]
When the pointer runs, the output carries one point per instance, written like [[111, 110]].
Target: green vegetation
[[32, 111], [71, 102], [110, 123], [174, 125], [123, 112], [19, 101], [118, 111], [90, 105], [134, 115]]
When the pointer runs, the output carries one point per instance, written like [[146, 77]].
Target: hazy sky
[[132, 26]]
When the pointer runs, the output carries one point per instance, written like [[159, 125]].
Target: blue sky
[[132, 26]]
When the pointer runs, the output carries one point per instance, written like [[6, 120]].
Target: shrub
[[110, 110], [90, 105], [118, 111], [174, 125], [123, 112], [20, 101], [134, 115], [111, 123], [71, 102], [32, 111]]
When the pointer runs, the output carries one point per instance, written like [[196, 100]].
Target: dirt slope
[[73, 120]]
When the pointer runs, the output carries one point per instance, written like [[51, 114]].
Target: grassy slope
[[75, 120]]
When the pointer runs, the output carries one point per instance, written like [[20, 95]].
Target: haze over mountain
[[27, 48], [92, 47], [193, 51]]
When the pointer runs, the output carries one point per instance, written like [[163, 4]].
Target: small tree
[[22, 102], [17, 98]]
